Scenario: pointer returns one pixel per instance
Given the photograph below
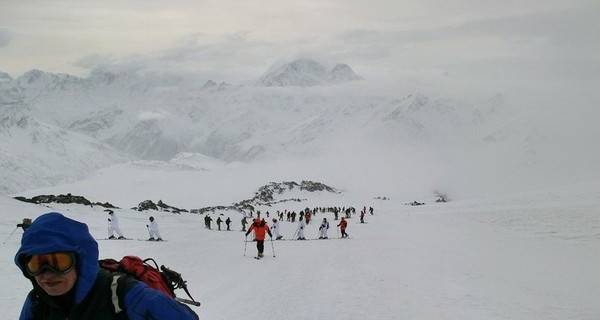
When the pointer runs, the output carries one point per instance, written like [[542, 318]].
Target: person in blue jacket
[[60, 258]]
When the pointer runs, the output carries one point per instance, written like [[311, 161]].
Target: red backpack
[[166, 280]]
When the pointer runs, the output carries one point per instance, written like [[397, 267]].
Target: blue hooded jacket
[[53, 232]]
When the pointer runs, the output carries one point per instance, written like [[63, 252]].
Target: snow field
[[501, 258]]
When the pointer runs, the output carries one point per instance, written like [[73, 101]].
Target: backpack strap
[[113, 292], [120, 284]]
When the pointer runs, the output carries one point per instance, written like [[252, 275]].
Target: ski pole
[[192, 302], [245, 244], [272, 247], [10, 235]]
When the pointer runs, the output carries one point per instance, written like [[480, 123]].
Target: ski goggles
[[57, 262]]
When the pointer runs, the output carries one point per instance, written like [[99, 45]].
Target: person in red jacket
[[260, 229], [343, 224]]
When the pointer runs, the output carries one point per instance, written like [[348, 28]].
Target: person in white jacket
[[113, 226], [153, 230], [275, 229], [323, 229], [301, 227]]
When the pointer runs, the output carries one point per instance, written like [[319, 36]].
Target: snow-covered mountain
[[5, 77], [57, 127], [306, 73]]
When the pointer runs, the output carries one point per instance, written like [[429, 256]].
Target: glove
[[147, 226], [108, 219]]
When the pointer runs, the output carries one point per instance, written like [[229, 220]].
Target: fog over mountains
[[56, 128]]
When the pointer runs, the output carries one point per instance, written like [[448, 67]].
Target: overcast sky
[[475, 42]]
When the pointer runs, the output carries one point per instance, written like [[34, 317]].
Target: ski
[[114, 239], [152, 240]]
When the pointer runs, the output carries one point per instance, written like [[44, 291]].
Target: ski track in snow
[[479, 259]]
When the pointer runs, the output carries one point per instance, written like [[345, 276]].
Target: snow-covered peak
[[342, 72], [33, 78], [5, 77], [209, 84], [306, 73], [303, 73]]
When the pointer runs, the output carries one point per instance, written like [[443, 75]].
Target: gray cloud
[[6, 36], [93, 61]]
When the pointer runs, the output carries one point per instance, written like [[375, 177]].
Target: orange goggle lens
[[59, 262]]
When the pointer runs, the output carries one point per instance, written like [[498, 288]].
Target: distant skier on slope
[[323, 229], [113, 226], [300, 229], [260, 228], [276, 228], [153, 230], [219, 221], [207, 221], [244, 223], [343, 224], [228, 223], [25, 224]]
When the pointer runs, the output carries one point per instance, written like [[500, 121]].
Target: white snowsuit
[[153, 230], [275, 229], [113, 226], [300, 230], [323, 229]]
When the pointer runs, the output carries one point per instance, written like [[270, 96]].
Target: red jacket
[[343, 224], [260, 229]]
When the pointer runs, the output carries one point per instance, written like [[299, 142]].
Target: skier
[[113, 226], [207, 221], [260, 228], [276, 229], [228, 223], [244, 223], [25, 224], [343, 224], [301, 227], [153, 230], [323, 229], [362, 216], [219, 223], [60, 258]]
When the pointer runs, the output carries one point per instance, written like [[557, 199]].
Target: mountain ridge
[[138, 116]]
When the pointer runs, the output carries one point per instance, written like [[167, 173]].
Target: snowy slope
[[526, 256]]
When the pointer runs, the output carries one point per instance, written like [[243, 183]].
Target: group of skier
[[114, 232], [260, 228], [208, 223], [304, 218]]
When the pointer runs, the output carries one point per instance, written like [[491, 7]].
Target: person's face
[[56, 284]]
